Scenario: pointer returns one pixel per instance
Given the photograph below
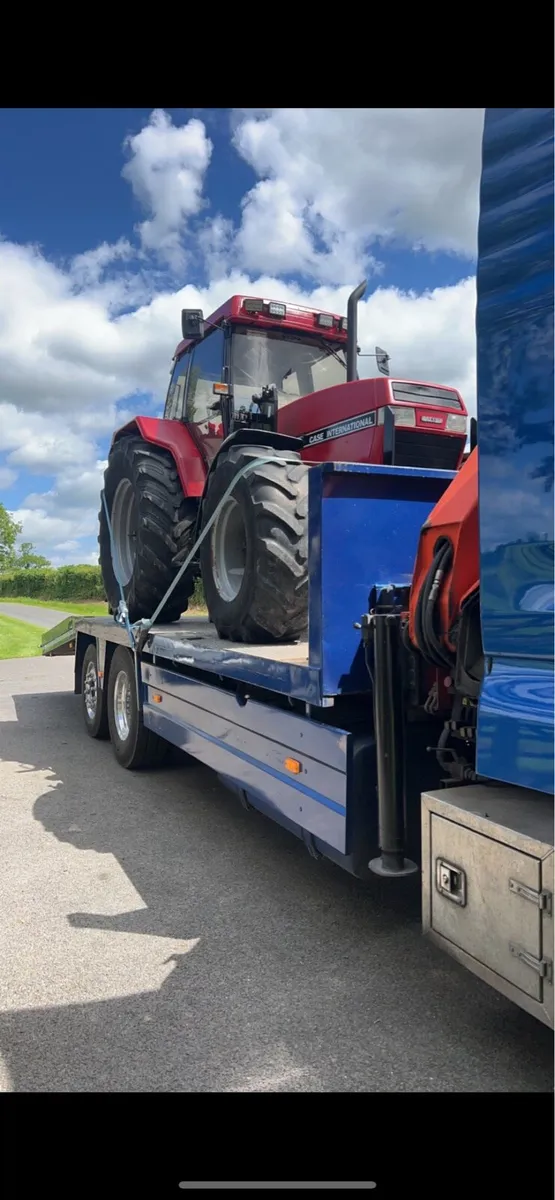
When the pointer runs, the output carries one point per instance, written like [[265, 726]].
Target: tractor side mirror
[[382, 360], [192, 322]]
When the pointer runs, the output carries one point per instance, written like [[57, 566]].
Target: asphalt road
[[157, 937], [45, 617]]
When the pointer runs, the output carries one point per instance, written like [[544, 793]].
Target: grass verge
[[18, 639], [78, 608]]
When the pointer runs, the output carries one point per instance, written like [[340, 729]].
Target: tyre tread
[[279, 611], [166, 530]]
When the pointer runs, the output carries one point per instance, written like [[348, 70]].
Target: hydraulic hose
[[425, 618]]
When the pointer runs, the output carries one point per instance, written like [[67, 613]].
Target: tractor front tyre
[[153, 529], [254, 560]]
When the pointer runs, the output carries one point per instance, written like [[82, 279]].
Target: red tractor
[[258, 379]]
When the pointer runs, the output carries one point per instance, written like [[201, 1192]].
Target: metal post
[[389, 734]]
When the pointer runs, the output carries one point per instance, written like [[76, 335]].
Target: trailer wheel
[[134, 746], [254, 561], [93, 697]]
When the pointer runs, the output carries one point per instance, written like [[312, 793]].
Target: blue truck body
[[514, 330]]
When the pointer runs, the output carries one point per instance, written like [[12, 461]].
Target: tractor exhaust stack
[[352, 332]]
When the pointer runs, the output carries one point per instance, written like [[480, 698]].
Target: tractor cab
[[246, 362], [261, 364]]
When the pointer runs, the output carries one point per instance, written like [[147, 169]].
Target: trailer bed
[[194, 642], [364, 524]]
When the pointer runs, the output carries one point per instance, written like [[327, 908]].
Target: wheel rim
[[90, 690], [122, 705], [229, 550], [124, 520]]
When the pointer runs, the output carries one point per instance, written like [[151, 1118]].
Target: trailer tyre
[[134, 746], [254, 561], [93, 697], [153, 527]]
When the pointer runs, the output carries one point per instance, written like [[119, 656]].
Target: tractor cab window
[[294, 365], [201, 410], [176, 391]]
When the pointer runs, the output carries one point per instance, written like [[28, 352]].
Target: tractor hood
[[334, 413], [352, 422]]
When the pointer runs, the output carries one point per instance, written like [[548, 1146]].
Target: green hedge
[[63, 583], [53, 583]]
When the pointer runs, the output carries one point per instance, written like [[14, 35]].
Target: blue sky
[[111, 220]]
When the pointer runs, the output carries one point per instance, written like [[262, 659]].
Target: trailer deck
[[194, 642], [364, 523]]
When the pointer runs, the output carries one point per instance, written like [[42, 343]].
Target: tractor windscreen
[[294, 365]]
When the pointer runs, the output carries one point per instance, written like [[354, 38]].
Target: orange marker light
[[293, 765], [156, 698]]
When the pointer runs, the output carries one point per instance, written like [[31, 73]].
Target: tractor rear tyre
[[153, 528], [254, 560]]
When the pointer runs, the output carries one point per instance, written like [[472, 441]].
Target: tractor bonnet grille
[[429, 450]]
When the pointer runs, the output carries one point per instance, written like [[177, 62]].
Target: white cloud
[[89, 268], [73, 553], [214, 240], [429, 337], [46, 530], [74, 489], [166, 171], [43, 444], [333, 181]]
